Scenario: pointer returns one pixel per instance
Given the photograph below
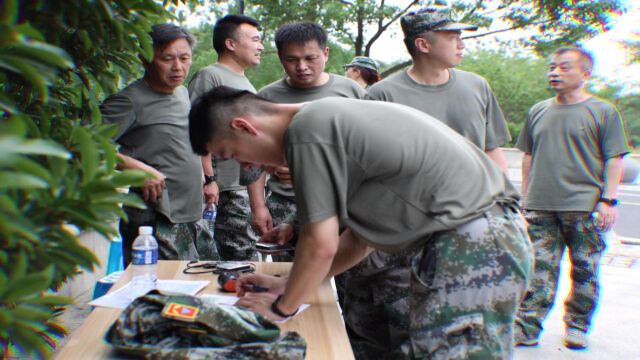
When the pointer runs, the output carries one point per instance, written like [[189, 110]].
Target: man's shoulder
[[541, 105], [468, 77], [278, 85], [350, 85], [389, 83], [600, 104]]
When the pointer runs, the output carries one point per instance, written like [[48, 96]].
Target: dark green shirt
[[569, 145], [392, 182], [208, 78], [281, 92], [154, 128], [465, 103]]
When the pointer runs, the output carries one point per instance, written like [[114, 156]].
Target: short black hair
[[225, 28], [214, 110], [163, 34], [410, 41], [300, 33], [587, 58]]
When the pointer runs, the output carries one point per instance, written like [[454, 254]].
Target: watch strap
[[208, 179], [609, 201], [277, 311]]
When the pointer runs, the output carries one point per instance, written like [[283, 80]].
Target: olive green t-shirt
[[154, 128], [209, 77], [465, 103], [281, 92], [569, 145], [392, 182]]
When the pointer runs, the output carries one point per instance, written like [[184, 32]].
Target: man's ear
[[243, 125], [423, 45], [229, 44], [326, 52]]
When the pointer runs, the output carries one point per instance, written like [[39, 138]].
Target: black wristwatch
[[208, 179], [277, 311], [609, 201]]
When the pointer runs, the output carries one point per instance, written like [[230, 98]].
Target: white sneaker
[[576, 339]]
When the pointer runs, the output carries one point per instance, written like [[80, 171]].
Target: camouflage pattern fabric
[[283, 210], [466, 287], [234, 235], [215, 332], [375, 305], [184, 241], [551, 233]]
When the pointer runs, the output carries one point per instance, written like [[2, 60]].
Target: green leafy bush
[[58, 60]]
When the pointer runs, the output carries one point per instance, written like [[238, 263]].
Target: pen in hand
[[254, 288]]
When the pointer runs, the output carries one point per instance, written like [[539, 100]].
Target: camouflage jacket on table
[[161, 326]]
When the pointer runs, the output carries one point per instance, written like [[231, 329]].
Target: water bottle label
[[144, 257], [208, 215]]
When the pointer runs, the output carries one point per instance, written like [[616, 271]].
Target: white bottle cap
[[145, 230]]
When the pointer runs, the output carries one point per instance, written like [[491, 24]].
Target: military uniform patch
[[182, 312]]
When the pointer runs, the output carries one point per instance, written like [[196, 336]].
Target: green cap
[[431, 19], [363, 62]]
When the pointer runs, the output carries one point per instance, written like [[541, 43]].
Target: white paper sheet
[[120, 298], [230, 300]]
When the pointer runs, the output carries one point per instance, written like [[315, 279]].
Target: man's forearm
[[526, 169], [317, 246], [497, 155], [207, 166], [351, 251], [613, 168], [256, 192]]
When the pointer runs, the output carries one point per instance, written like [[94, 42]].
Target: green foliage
[[518, 81], [58, 59]]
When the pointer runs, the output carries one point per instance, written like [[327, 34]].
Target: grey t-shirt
[[209, 77], [154, 128], [281, 92], [465, 103], [392, 182], [569, 145]]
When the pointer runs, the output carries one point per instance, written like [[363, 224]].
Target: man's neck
[[232, 64], [573, 97], [323, 80], [157, 86], [426, 72]]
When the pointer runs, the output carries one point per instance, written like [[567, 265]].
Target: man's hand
[[283, 173], [605, 216], [153, 187], [280, 234], [260, 303], [275, 284], [261, 220], [211, 193]]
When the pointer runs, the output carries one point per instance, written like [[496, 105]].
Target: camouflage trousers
[[454, 298], [552, 233], [466, 287], [182, 241], [374, 296], [283, 209], [234, 235]]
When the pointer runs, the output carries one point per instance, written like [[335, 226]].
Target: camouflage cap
[[363, 62], [431, 19]]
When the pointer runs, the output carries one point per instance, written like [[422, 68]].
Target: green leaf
[[9, 13], [129, 177], [88, 154], [42, 52], [9, 145], [29, 285], [16, 180], [31, 167], [52, 300]]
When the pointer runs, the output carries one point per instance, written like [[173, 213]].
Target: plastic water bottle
[[209, 214], [144, 262]]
